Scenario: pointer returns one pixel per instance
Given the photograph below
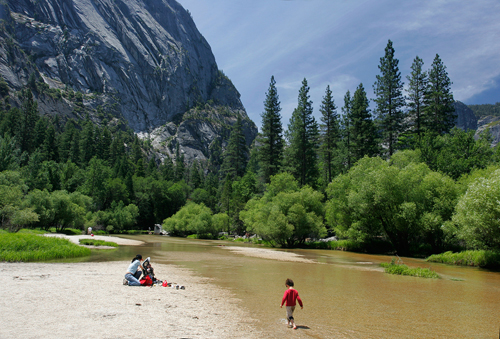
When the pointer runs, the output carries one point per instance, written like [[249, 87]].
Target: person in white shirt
[[133, 273]]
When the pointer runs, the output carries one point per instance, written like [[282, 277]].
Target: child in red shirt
[[290, 297]]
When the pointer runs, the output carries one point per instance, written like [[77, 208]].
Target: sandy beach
[[88, 300]]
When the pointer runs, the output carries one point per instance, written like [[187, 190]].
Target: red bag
[[146, 281], [165, 284]]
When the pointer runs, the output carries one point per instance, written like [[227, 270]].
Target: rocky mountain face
[[141, 60], [491, 123], [466, 120]]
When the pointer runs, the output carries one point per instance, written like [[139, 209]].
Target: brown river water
[[345, 295]]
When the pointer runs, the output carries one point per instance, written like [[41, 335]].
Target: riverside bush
[[486, 259], [32, 247], [95, 242], [402, 269]]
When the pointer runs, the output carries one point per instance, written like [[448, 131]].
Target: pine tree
[[302, 136], [74, 154], [196, 177], [29, 118], [440, 114], [390, 101], [87, 142], [167, 169], [180, 166], [417, 85], [329, 135], [215, 160], [236, 154], [271, 144], [104, 145], [66, 140], [346, 128], [50, 149], [363, 131]]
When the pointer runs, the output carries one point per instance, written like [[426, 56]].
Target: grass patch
[[401, 269], [94, 242], [32, 231], [32, 247], [481, 258]]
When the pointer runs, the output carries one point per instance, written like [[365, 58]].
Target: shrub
[[402, 269], [95, 242], [486, 259]]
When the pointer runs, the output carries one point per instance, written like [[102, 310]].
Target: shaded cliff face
[[466, 119], [146, 53]]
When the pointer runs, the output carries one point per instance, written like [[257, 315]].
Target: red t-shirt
[[291, 295]]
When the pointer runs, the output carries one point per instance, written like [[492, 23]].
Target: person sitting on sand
[[133, 273], [290, 297]]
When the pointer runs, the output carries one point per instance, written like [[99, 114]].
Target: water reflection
[[346, 295]]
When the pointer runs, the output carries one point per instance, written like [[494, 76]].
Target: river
[[345, 295]]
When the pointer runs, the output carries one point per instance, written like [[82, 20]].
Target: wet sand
[[88, 300]]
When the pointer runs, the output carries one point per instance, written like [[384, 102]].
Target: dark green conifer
[[302, 136], [329, 136], [270, 141], [440, 114], [417, 86], [236, 154], [363, 131], [389, 99]]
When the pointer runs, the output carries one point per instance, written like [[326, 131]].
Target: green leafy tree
[[403, 202], [302, 137], [285, 215], [439, 112], [191, 219], [363, 130], [417, 86], [389, 99], [13, 213], [329, 137], [456, 153], [271, 143], [115, 219], [477, 216]]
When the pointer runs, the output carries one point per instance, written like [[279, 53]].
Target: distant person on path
[[133, 273], [290, 297], [89, 230]]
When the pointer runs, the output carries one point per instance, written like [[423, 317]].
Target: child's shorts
[[289, 312]]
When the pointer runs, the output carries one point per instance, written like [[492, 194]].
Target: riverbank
[[88, 300]]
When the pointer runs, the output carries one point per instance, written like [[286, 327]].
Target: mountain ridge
[[141, 60]]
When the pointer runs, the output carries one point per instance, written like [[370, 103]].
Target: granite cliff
[[142, 61], [467, 120]]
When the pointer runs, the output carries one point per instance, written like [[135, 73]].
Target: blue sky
[[340, 43]]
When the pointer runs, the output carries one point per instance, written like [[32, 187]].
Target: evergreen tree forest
[[396, 179]]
